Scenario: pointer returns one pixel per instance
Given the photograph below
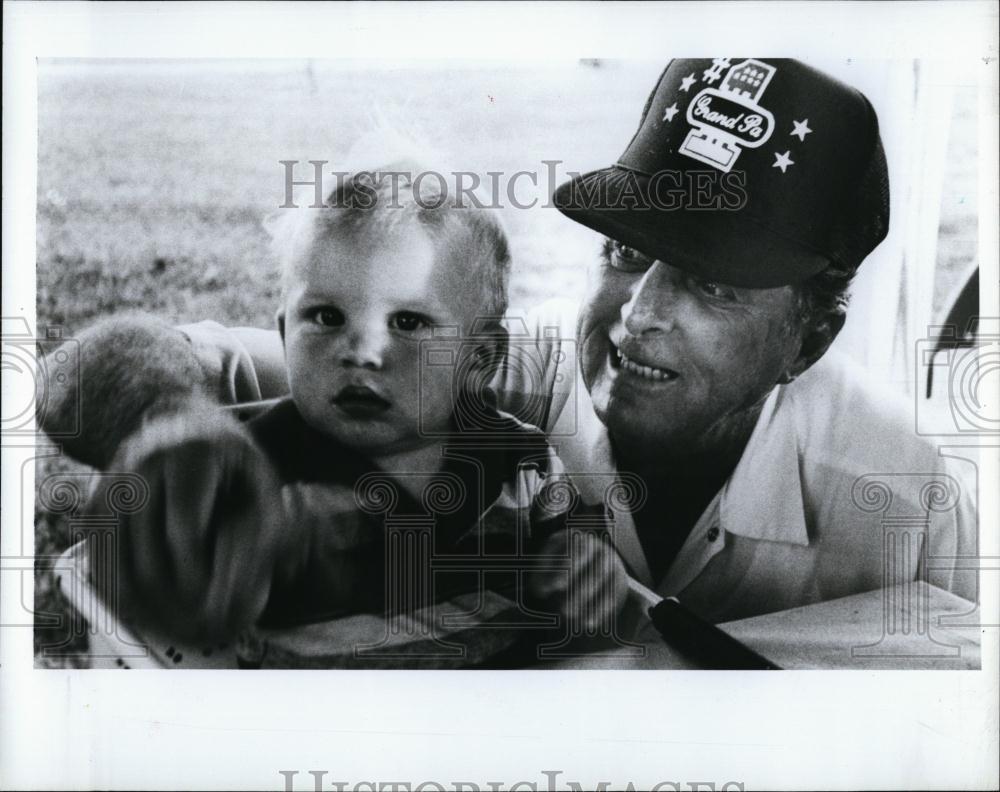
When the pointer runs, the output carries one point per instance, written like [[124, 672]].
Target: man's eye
[[408, 322], [328, 317], [718, 291], [628, 258]]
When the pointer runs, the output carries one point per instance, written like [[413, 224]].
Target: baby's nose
[[366, 346]]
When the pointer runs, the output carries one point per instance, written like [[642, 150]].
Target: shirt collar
[[761, 500], [763, 497]]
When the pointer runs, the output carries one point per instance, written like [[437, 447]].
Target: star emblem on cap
[[670, 112], [782, 160], [801, 129], [687, 82]]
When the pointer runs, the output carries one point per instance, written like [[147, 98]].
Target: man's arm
[[244, 363]]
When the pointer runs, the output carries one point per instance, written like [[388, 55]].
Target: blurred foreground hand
[[198, 559], [594, 593]]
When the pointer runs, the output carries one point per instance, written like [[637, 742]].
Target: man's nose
[[651, 306], [366, 345]]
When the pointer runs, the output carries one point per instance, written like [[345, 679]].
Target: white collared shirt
[[835, 493]]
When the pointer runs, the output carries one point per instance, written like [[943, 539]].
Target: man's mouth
[[621, 361], [360, 402]]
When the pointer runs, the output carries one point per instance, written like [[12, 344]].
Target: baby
[[417, 524], [394, 297]]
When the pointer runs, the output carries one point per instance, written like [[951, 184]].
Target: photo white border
[[94, 729]]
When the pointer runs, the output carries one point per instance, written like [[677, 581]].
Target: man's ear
[[816, 339], [280, 319]]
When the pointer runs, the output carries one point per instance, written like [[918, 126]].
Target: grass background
[[153, 178]]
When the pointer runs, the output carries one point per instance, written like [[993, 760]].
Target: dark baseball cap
[[753, 172]]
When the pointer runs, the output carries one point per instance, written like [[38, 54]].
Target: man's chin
[[632, 416], [636, 422], [624, 427], [616, 406]]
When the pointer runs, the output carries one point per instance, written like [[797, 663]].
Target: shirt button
[[713, 533]]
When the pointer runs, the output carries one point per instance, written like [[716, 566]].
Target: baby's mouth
[[360, 402]]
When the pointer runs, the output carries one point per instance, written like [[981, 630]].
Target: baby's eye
[[409, 322], [328, 316], [628, 258], [718, 291]]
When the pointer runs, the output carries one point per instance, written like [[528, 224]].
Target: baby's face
[[356, 310]]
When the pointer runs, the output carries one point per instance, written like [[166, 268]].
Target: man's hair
[[402, 190], [863, 225], [825, 295]]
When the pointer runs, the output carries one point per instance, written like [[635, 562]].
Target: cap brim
[[728, 246]]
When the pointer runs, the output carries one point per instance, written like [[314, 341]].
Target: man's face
[[671, 358], [357, 308]]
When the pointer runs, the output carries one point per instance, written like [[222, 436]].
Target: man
[[702, 349], [760, 467]]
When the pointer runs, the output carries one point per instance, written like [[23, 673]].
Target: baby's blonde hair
[[389, 183]]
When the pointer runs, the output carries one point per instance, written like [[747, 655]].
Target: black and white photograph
[[387, 342]]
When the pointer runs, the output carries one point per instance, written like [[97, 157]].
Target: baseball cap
[[753, 172]]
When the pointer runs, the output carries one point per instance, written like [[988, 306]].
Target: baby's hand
[[597, 583], [196, 561]]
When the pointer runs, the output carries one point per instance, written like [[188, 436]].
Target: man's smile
[[638, 367]]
